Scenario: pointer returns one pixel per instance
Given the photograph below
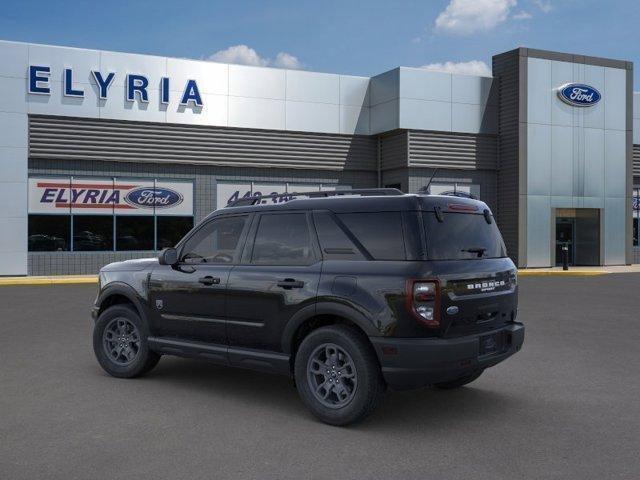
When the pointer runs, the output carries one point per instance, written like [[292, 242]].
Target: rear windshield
[[462, 236]]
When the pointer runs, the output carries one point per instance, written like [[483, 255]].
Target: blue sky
[[351, 37]]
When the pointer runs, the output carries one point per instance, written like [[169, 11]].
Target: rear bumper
[[416, 362]]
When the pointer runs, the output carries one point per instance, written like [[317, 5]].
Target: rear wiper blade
[[479, 250]]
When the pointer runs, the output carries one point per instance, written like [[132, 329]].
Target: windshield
[[462, 236]]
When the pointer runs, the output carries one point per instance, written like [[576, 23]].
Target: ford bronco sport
[[347, 294]]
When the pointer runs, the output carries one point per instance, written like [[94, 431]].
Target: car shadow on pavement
[[400, 411]]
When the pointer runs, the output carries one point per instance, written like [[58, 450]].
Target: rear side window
[[462, 236], [380, 233], [283, 240], [334, 241]]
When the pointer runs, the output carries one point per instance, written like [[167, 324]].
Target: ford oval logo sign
[[579, 94], [149, 197]]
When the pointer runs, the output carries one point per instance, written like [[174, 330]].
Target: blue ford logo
[[149, 197], [579, 94]]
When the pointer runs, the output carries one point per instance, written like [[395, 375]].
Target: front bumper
[[415, 362]]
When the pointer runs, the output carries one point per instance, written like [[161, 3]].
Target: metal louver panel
[[124, 141], [636, 160], [452, 150], [394, 151]]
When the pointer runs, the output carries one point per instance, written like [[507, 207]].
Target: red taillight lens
[[424, 301]]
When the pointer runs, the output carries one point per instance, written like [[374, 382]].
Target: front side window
[[282, 240], [216, 242], [461, 236]]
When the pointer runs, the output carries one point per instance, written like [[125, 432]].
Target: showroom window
[[107, 214]]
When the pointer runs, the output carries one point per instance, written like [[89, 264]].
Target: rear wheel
[[337, 375], [458, 382], [120, 343]]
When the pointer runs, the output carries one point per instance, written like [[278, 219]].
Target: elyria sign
[[578, 94]]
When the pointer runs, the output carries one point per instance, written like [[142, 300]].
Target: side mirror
[[168, 256]]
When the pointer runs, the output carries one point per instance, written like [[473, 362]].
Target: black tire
[[369, 384], [142, 358], [460, 382]]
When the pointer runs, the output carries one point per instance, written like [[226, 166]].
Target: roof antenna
[[425, 189]]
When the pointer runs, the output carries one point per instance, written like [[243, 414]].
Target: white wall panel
[[538, 159], [538, 231], [539, 91], [425, 115], [470, 89], [385, 116], [58, 58], [116, 107], [385, 87], [354, 91], [615, 164], [213, 111], [422, 84], [616, 100], [13, 130], [245, 81], [354, 120], [14, 59], [58, 104], [211, 77], [594, 172], [313, 87], [593, 117], [561, 113], [614, 231], [13, 94], [152, 67], [561, 160], [256, 113], [312, 117]]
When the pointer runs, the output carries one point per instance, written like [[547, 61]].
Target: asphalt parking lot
[[566, 407]]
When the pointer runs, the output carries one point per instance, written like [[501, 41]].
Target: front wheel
[[120, 343], [337, 375]]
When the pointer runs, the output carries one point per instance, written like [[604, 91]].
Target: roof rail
[[364, 192]]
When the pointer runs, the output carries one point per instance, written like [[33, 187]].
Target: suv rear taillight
[[423, 301]]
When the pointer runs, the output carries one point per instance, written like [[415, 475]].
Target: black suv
[[347, 294]]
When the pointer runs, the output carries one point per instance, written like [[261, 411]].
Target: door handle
[[289, 283], [209, 280]]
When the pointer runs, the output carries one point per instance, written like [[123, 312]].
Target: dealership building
[[107, 156]]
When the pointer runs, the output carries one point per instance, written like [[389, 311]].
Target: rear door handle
[[289, 283], [209, 280]]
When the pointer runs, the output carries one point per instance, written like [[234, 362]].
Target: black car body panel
[[248, 303]]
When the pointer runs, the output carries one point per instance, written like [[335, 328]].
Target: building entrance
[[579, 230]]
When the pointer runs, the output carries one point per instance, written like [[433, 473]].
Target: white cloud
[[286, 60], [464, 17], [545, 6], [245, 55], [472, 67], [522, 15]]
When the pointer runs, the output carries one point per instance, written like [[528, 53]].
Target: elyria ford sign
[[153, 197], [579, 94], [136, 86]]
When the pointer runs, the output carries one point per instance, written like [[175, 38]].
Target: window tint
[[92, 233], [462, 236], [215, 242], [134, 233], [49, 233], [172, 229], [282, 240], [380, 233], [334, 242]]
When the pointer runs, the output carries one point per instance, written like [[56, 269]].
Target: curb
[[562, 273], [54, 280]]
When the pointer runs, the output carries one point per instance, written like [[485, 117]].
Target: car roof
[[382, 203]]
